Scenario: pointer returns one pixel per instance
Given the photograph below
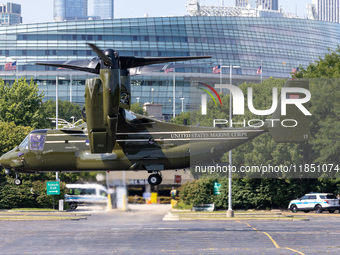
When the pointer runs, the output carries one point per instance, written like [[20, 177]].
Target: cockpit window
[[37, 142], [24, 143]]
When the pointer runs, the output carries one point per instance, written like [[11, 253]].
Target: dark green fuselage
[[146, 144]]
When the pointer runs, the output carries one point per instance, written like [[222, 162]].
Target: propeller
[[93, 65], [100, 54]]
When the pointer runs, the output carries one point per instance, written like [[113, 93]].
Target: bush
[[31, 194], [254, 193]]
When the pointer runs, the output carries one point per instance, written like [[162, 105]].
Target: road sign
[[217, 188], [178, 178], [53, 188]]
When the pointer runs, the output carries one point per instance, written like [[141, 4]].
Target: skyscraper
[[104, 9], [266, 4], [10, 14], [69, 10], [325, 10]]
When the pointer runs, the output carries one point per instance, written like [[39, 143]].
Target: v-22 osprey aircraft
[[114, 138]]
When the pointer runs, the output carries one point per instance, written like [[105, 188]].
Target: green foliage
[[254, 193], [325, 121], [11, 135], [31, 194], [138, 108], [326, 67], [66, 110], [182, 206], [180, 118], [21, 103]]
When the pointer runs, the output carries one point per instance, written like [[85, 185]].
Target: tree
[[325, 106], [21, 103], [11, 135], [326, 67], [137, 108], [179, 119], [66, 110]]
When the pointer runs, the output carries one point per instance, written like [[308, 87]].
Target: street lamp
[[138, 99], [152, 95], [182, 98], [72, 117], [230, 212]]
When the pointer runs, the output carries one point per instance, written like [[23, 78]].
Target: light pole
[[56, 100], [152, 95], [138, 99], [174, 96], [182, 98], [71, 86], [230, 212]]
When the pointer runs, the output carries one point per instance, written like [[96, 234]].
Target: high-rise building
[[10, 14], [325, 10], [104, 9], [64, 10], [266, 4]]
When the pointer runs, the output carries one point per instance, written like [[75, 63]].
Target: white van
[[85, 194]]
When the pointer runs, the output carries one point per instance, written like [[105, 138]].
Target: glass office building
[[103, 9], [281, 44], [10, 14], [64, 10]]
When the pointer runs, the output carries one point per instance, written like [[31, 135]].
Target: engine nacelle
[[102, 99]]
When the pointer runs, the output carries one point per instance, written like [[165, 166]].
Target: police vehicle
[[317, 202]]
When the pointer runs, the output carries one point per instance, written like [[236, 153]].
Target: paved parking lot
[[142, 231]]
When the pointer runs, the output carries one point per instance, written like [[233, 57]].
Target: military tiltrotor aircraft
[[114, 138]]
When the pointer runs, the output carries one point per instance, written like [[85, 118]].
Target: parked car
[[85, 194], [317, 202]]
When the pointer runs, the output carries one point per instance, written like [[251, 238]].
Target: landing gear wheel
[[294, 209], [73, 206], [155, 179], [318, 209], [17, 181]]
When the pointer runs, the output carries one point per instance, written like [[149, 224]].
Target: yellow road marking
[[295, 251], [276, 245]]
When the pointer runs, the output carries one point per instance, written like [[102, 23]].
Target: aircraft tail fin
[[294, 126]]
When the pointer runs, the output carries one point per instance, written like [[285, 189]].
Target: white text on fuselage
[[209, 135]]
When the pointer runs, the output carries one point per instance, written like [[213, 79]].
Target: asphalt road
[[142, 231]]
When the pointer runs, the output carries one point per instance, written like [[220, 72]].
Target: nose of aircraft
[[6, 159]]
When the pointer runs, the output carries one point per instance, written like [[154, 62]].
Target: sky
[[36, 11]]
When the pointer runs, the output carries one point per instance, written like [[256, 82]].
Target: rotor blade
[[100, 54], [86, 65], [129, 62]]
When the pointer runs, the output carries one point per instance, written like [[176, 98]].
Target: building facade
[[64, 10], [325, 10], [10, 14], [266, 4], [280, 43], [103, 9]]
